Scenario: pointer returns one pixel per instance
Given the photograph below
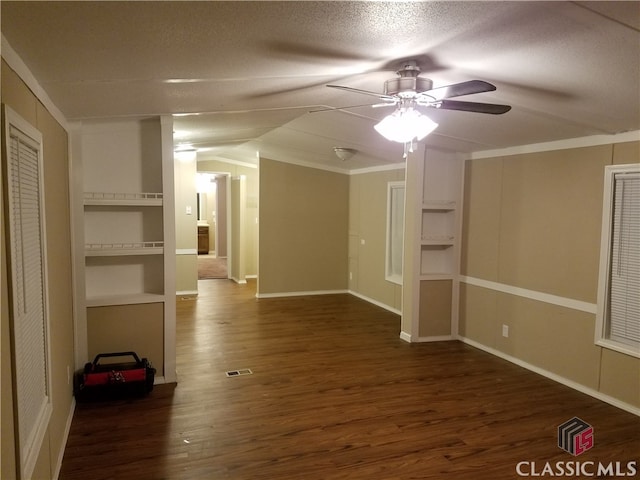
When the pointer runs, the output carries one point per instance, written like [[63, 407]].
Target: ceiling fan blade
[[459, 89], [310, 52], [330, 109], [364, 92], [490, 108], [284, 91]]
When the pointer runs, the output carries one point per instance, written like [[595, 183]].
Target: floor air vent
[[237, 373]]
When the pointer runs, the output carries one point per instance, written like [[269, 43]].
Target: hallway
[[334, 394], [211, 267]]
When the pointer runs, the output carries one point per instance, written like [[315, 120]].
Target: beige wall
[[237, 265], [186, 274], [368, 224], [186, 229], [303, 229], [185, 196], [533, 221], [123, 328], [56, 179]]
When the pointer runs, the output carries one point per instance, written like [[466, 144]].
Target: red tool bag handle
[[116, 354]]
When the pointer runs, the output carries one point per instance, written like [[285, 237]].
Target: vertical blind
[[624, 280], [29, 323]]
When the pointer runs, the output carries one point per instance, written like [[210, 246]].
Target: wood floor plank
[[334, 394]]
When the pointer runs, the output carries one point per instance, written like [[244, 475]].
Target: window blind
[[28, 312], [395, 232], [624, 286]]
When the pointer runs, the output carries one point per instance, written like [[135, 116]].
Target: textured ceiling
[[253, 70]]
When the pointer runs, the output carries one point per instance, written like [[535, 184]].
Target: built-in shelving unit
[[129, 246], [434, 310]]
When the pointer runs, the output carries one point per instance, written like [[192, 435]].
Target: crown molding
[[580, 142]]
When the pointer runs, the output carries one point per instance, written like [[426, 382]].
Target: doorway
[[212, 220]]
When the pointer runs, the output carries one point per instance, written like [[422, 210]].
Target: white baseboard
[[437, 338], [405, 336], [330, 292], [67, 429], [186, 251], [183, 293], [299, 294], [375, 302], [556, 378]]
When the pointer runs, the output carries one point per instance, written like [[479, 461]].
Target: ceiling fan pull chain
[[408, 148]]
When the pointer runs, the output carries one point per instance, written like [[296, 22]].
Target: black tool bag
[[108, 381]]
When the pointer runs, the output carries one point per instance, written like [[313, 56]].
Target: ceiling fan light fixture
[[404, 125]]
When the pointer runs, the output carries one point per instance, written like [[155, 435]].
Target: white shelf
[[121, 249], [439, 206], [110, 300], [124, 199], [438, 240]]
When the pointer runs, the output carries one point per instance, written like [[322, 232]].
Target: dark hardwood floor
[[334, 394]]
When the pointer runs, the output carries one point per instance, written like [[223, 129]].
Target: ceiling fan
[[410, 88], [409, 91]]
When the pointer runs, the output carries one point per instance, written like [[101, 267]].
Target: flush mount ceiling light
[[343, 153]]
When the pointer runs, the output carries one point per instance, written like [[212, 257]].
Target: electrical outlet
[[188, 210], [505, 330]]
